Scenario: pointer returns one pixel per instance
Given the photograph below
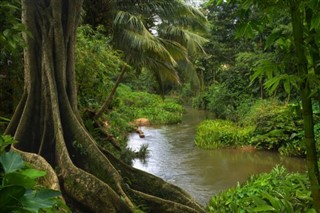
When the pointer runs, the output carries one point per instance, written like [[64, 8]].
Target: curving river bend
[[202, 173]]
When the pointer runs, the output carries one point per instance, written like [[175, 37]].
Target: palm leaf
[[192, 41]]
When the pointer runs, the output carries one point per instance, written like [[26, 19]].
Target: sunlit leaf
[[264, 208], [33, 173], [15, 178]]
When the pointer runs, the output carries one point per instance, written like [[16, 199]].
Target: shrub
[[97, 66], [277, 191], [132, 105], [223, 102], [212, 134], [276, 125], [19, 191]]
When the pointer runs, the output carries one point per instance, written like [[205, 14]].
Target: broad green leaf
[[9, 196], [246, 30], [286, 86], [15, 178], [272, 84], [275, 202], [219, 2], [47, 193], [271, 39], [32, 201], [33, 173], [315, 22], [264, 208], [258, 201], [11, 162]]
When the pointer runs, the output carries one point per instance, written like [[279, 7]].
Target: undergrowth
[[277, 191]]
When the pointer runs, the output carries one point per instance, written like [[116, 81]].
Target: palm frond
[[192, 41], [132, 35], [176, 50]]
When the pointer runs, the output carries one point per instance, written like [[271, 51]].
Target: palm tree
[[156, 35]]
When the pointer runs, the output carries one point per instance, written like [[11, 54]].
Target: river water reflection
[[202, 173]]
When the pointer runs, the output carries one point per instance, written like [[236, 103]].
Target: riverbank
[[203, 173]]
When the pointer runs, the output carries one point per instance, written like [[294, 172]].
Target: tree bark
[[47, 122], [307, 112]]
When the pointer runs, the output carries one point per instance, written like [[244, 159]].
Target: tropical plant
[[11, 44], [97, 65], [277, 191], [302, 17], [19, 190], [156, 36], [212, 134]]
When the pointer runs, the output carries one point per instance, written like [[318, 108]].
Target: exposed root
[[166, 193], [86, 188], [50, 180], [156, 204]]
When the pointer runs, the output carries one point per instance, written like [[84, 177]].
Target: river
[[202, 173]]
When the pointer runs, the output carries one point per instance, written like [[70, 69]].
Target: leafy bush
[[132, 105], [212, 134], [129, 105], [277, 191], [296, 146], [97, 66], [222, 101], [276, 125], [19, 191]]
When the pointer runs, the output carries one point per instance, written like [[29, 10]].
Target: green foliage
[[129, 105], [11, 27], [264, 124], [276, 125], [11, 43], [277, 191], [18, 190], [222, 101], [212, 134], [97, 66], [5, 141], [133, 105], [217, 99]]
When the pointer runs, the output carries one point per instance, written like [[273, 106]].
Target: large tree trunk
[[47, 122], [307, 112]]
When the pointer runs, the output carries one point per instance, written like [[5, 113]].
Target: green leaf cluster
[[277, 127], [11, 28], [212, 134], [129, 105], [18, 190], [97, 66], [264, 124], [277, 191], [135, 105]]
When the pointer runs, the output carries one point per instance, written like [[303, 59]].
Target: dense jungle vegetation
[[254, 64]]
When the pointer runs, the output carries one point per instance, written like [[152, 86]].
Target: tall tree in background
[[50, 131], [303, 18]]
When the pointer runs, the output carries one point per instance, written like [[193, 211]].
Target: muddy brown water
[[202, 173]]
